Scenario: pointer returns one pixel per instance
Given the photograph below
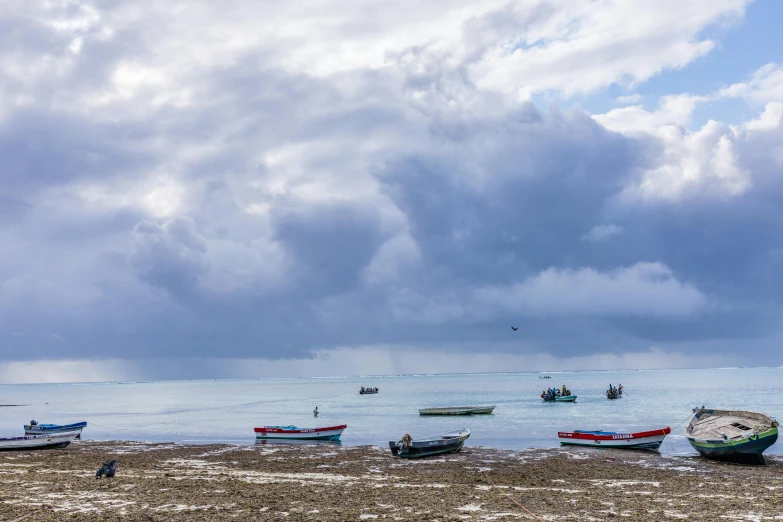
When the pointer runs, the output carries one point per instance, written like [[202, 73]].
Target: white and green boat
[[731, 435]]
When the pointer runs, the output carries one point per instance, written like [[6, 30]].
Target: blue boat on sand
[[731, 435], [43, 429]]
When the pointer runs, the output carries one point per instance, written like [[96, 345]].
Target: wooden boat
[[42, 429], [292, 432], [297, 442], [33, 442], [437, 445], [609, 439], [367, 391], [458, 410], [565, 398], [613, 396], [731, 435]]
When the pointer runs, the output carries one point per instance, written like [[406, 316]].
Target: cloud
[[284, 180], [766, 85], [630, 99], [67, 370], [645, 289], [601, 233], [169, 255]]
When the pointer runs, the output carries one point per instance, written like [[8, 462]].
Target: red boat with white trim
[[609, 439], [294, 433]]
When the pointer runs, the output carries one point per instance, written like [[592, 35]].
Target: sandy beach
[[279, 482]]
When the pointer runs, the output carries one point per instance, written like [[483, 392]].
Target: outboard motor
[[108, 469]]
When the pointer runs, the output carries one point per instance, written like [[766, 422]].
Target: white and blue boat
[[34, 442], [45, 429]]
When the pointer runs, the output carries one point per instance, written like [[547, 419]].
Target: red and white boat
[[609, 439], [294, 433]]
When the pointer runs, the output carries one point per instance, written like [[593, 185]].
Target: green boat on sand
[[731, 435]]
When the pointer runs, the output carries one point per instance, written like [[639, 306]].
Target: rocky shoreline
[[335, 483]]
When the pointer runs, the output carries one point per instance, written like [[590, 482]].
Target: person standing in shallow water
[[315, 412]]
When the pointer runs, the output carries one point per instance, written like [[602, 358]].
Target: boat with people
[[41, 429], [34, 442], [614, 392], [650, 439], [458, 410], [367, 391], [731, 435], [558, 395], [296, 433], [410, 448]]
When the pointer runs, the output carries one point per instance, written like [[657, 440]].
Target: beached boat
[[297, 442], [651, 439], [409, 448], [367, 391], [564, 398], [292, 432], [33, 442], [731, 435], [42, 429], [458, 410]]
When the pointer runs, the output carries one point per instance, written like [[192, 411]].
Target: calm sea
[[227, 410]]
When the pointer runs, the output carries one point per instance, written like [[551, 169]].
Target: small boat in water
[[731, 435], [33, 442], [42, 429], [367, 391], [614, 392], [610, 439], [458, 410], [409, 448], [566, 398], [295, 433]]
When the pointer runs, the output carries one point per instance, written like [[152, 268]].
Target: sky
[[244, 189]]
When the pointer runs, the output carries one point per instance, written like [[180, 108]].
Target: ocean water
[[227, 410]]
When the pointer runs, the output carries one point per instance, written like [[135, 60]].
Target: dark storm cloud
[[243, 209]]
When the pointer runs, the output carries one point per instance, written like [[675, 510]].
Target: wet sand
[[277, 482]]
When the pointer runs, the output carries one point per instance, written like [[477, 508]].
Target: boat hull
[[568, 398], [747, 448], [37, 442], [331, 433], [746, 451], [458, 410], [650, 440], [44, 429], [430, 447], [417, 453]]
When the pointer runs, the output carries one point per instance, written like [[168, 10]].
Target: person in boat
[[362, 390], [620, 389], [315, 412]]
